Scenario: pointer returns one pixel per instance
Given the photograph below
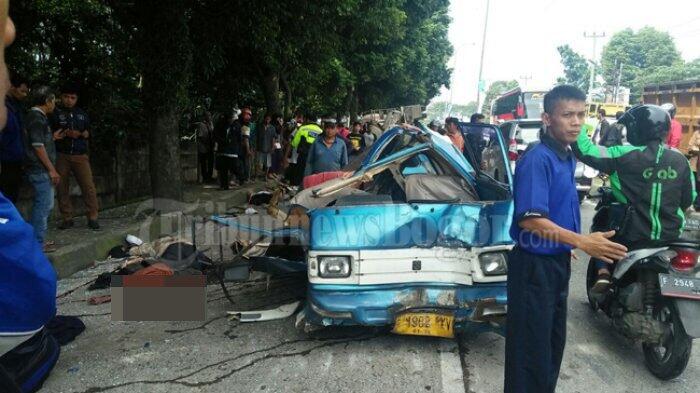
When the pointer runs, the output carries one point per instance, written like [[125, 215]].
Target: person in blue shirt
[[27, 279], [328, 153], [546, 228]]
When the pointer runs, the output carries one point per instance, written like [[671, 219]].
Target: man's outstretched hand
[[598, 245]]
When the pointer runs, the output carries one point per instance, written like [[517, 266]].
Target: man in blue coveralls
[[546, 226]]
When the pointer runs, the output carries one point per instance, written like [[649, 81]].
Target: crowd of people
[[45, 141], [239, 149]]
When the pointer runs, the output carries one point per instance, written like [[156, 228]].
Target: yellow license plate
[[425, 324]]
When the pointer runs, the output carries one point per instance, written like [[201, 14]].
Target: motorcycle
[[654, 298]]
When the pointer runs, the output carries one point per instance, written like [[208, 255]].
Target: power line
[[684, 23]]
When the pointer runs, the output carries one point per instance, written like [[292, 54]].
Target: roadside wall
[[119, 178]]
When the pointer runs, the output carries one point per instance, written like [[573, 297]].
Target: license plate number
[[425, 324], [683, 287]]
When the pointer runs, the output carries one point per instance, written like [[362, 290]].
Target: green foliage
[[439, 110], [576, 69], [496, 89], [673, 73], [140, 62], [640, 53], [164, 54], [81, 41]]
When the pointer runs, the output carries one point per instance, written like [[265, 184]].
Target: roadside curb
[[73, 258]]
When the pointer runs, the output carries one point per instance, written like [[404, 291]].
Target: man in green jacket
[[654, 181]]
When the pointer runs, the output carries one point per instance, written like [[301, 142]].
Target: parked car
[[519, 134], [416, 239]]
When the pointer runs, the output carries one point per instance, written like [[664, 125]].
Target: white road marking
[[450, 367]]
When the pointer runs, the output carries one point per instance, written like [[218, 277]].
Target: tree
[[165, 55], [82, 42], [134, 59], [438, 110], [411, 70], [674, 73], [639, 53], [576, 69], [496, 89]]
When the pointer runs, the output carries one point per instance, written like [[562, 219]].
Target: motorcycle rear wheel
[[668, 360]]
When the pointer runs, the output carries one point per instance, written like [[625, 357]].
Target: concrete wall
[[119, 178]]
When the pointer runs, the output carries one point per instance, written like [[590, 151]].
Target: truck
[[685, 96]]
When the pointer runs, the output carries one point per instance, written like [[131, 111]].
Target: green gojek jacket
[[656, 180]]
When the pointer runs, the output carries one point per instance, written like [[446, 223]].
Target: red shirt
[[674, 134]]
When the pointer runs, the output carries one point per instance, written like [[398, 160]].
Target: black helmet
[[646, 123]]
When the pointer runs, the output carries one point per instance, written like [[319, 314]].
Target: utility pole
[[525, 79], [617, 86], [595, 37], [481, 62]]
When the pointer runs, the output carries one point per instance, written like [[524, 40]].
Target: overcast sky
[[523, 35]]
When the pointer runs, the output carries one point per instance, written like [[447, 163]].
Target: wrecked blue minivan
[[415, 239]]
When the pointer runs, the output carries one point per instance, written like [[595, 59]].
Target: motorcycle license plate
[[683, 287]]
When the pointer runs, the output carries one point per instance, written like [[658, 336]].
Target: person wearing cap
[[328, 153], [73, 157]]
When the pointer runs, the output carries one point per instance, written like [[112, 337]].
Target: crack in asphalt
[[90, 315], [200, 327], [325, 342], [463, 352]]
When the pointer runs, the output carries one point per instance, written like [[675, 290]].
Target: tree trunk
[[287, 96], [349, 101], [270, 84], [165, 56], [164, 160]]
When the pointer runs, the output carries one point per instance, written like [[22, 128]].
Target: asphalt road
[[224, 356]]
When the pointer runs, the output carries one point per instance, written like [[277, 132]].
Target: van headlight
[[493, 263], [333, 266]]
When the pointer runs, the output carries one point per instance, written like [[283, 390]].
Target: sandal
[[602, 283]]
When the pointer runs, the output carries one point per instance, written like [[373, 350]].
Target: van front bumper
[[475, 307]]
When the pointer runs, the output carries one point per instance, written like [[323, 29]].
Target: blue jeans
[[43, 203]]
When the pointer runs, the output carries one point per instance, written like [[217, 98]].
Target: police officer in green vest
[[304, 137]]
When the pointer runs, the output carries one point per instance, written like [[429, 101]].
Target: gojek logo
[[661, 174]]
